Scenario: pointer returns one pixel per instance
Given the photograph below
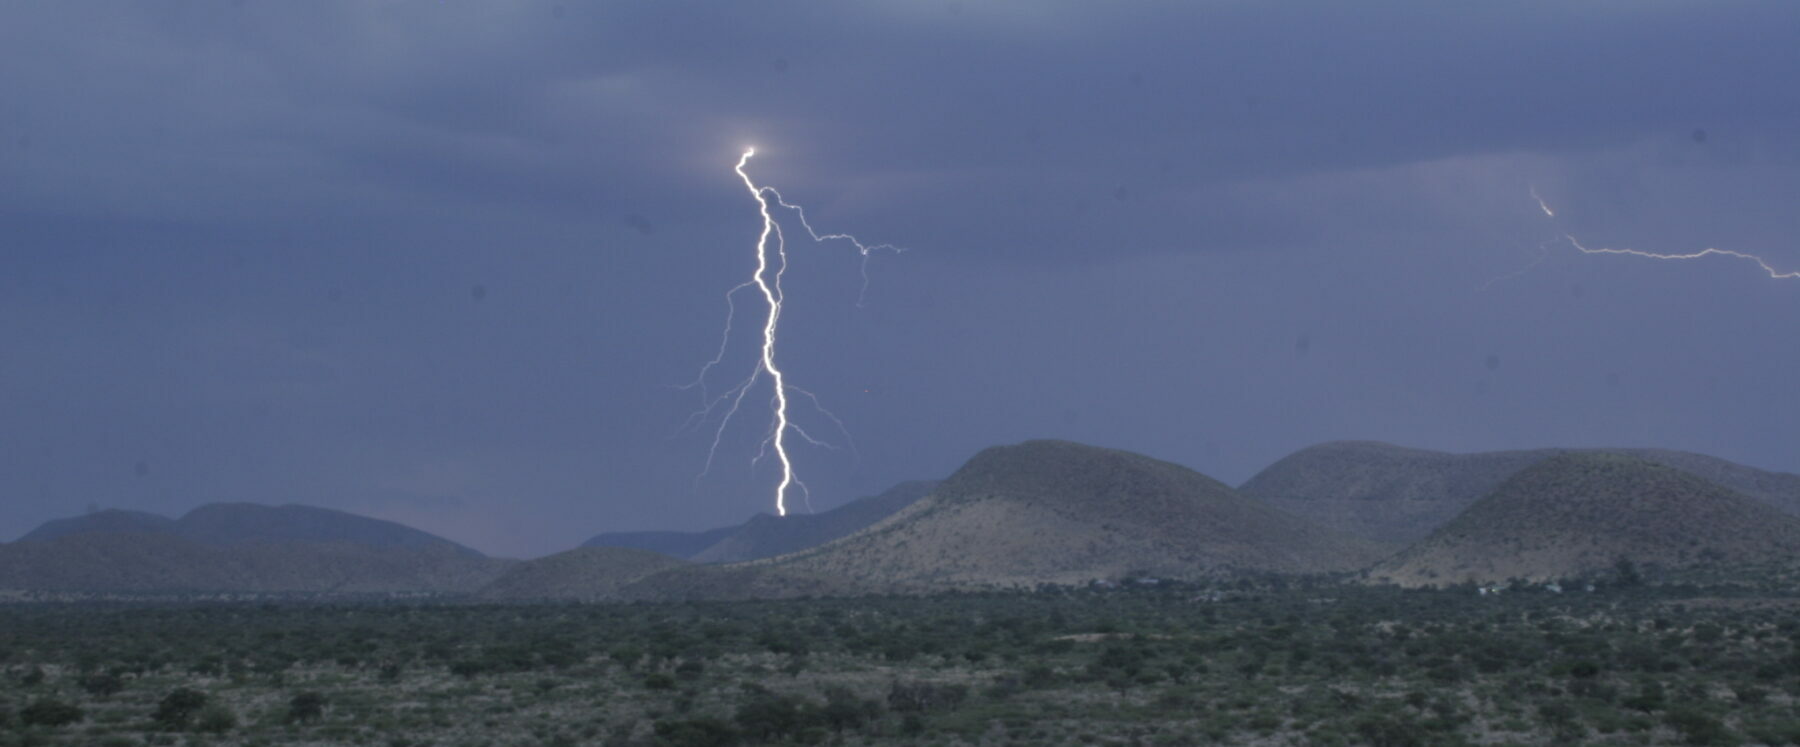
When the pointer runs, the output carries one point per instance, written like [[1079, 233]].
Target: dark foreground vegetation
[[1285, 663]]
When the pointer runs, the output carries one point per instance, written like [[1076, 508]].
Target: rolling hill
[[1578, 513], [1041, 512], [164, 563], [765, 536], [675, 544], [1381, 491], [1397, 494], [224, 524], [240, 547], [581, 574]]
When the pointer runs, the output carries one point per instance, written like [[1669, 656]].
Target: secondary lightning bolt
[[767, 281], [1768, 269], [1703, 253]]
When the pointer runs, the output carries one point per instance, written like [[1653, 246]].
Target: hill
[[1578, 513], [239, 523], [1382, 491], [164, 563], [109, 521], [224, 524], [675, 544], [1042, 512], [240, 547], [1396, 494], [766, 536], [1778, 489], [582, 574]]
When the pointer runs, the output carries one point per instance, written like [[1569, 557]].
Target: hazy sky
[[447, 263]]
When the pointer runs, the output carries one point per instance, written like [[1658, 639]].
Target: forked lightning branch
[[766, 373]]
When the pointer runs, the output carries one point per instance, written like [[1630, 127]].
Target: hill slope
[[1396, 494], [766, 536], [581, 574], [224, 524], [1578, 513], [238, 523], [1382, 491], [1042, 512], [165, 563], [676, 544], [110, 521]]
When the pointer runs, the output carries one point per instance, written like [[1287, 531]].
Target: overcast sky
[[448, 263]]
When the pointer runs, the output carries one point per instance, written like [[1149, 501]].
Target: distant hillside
[[223, 524], [1579, 513], [766, 536], [165, 563], [582, 574], [676, 544], [1396, 494], [1778, 489], [111, 520], [1042, 512], [1381, 491]]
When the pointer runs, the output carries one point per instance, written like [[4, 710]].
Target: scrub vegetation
[[1274, 660]]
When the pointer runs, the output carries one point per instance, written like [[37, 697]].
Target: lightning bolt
[[1703, 253], [1768, 269], [771, 266]]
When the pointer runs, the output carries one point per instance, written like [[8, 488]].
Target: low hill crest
[[1578, 513]]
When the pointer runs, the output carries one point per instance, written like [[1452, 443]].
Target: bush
[[1699, 727], [306, 706], [216, 719], [768, 717], [49, 712], [919, 697], [177, 708], [843, 710], [699, 732], [102, 685]]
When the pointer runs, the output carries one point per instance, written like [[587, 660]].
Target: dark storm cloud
[[443, 262], [332, 106]]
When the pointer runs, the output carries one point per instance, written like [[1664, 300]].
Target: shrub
[[918, 697], [49, 712], [178, 708], [102, 685], [1699, 727], [699, 732], [216, 719], [306, 706]]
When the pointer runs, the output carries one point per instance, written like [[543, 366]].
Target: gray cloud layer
[[442, 263]]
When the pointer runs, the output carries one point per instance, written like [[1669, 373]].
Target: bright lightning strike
[[1544, 206], [1703, 253], [767, 282], [1768, 269]]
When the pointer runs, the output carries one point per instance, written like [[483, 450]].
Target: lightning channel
[[771, 266], [1702, 254], [1549, 212]]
